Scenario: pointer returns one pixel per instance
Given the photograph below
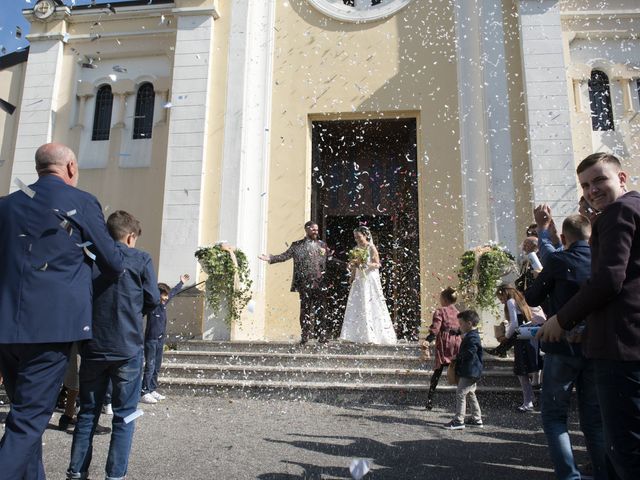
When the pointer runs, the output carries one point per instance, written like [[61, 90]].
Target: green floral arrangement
[[481, 272], [358, 256], [228, 281]]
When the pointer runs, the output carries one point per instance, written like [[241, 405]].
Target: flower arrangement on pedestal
[[481, 271], [228, 279]]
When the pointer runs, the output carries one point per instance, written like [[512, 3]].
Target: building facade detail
[[359, 11]]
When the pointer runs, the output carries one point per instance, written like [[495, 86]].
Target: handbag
[[452, 378], [500, 330]]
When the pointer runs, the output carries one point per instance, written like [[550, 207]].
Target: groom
[[310, 257]]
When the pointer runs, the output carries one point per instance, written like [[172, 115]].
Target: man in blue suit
[[50, 234]]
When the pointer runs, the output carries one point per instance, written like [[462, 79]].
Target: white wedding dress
[[367, 319]]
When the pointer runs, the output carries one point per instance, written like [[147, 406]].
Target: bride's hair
[[364, 231]]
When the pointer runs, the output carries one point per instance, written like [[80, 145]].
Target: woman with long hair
[[526, 356]]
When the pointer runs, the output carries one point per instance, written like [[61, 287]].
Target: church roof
[[14, 58]]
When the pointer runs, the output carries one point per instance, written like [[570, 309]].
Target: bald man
[[50, 235]]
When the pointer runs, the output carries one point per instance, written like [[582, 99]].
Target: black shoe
[[429, 405], [65, 422], [100, 430], [495, 352]]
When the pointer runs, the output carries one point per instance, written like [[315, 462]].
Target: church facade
[[438, 124]]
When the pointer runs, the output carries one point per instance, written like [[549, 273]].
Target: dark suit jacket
[[469, 359], [45, 275], [119, 306], [309, 263], [563, 274], [611, 299]]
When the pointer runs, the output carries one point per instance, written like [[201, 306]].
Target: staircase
[[334, 372]]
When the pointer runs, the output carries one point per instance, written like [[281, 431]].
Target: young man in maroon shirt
[[610, 302]]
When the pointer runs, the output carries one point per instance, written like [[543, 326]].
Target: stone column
[[485, 133], [245, 167], [547, 101], [39, 101], [187, 142]]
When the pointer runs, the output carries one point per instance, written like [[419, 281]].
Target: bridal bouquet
[[358, 257]]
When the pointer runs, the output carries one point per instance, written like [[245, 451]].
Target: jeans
[[618, 385], [561, 374], [467, 387], [153, 351], [32, 377], [125, 376]]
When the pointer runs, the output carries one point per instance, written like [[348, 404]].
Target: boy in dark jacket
[[468, 370], [154, 338], [115, 351]]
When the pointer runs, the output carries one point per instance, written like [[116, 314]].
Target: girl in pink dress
[[445, 330]]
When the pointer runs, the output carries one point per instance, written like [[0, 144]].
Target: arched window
[[143, 120], [600, 98], [102, 115]]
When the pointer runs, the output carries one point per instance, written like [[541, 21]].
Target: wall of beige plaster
[[137, 190], [11, 81], [399, 66]]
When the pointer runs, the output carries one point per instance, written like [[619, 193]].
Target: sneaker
[[107, 409], [157, 396], [148, 398], [453, 425], [524, 408], [474, 423]]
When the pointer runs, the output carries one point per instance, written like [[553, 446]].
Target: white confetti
[[25, 189], [89, 254], [359, 468], [133, 416]]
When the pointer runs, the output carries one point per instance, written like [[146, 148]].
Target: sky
[[11, 17]]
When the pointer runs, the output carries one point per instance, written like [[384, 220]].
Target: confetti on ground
[[359, 468]]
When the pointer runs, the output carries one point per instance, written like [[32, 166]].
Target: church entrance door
[[364, 173]]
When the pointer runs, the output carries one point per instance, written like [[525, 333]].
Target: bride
[[366, 319]]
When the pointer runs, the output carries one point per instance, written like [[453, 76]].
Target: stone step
[[334, 346], [411, 394], [318, 374], [320, 359]]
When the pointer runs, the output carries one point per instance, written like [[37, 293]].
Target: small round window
[[359, 10]]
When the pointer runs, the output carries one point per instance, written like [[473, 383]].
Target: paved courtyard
[[219, 438]]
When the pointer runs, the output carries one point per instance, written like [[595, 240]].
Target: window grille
[[102, 115], [143, 121], [600, 99]]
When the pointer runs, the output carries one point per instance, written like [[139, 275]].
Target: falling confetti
[[25, 189], [133, 416]]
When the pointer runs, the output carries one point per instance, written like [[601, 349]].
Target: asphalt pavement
[[220, 438]]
